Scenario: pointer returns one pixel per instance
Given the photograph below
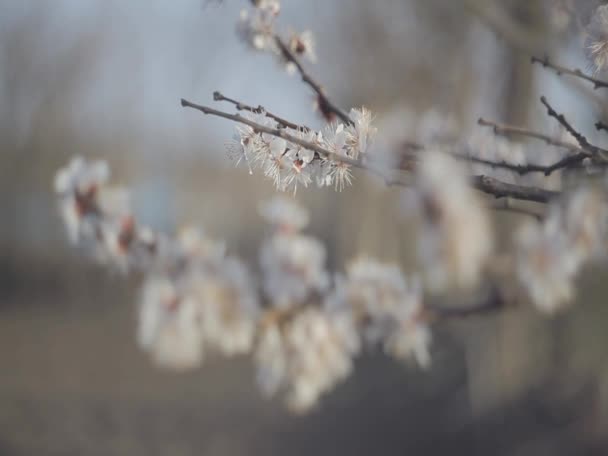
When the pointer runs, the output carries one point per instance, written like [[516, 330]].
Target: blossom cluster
[[456, 237], [100, 216], [549, 255], [290, 164], [302, 325], [303, 328], [596, 43], [257, 28]]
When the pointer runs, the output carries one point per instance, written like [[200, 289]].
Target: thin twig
[[240, 106], [508, 130], [597, 152], [485, 184], [599, 125], [492, 303], [274, 132], [507, 205], [547, 170], [501, 189], [325, 104], [597, 83]]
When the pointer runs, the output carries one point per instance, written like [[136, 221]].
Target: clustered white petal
[[293, 264], [289, 164], [551, 254], [305, 355], [387, 307], [596, 43], [197, 300], [257, 28], [455, 240]]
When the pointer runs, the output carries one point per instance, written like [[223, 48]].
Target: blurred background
[[103, 79]]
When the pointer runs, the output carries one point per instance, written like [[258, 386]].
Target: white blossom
[[386, 305], [483, 144], [283, 212], [169, 326], [290, 164], [596, 43], [293, 267], [270, 6], [455, 237], [550, 255], [305, 355], [228, 303], [256, 28], [303, 45], [360, 135], [78, 186]]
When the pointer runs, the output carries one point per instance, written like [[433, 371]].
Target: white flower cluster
[[305, 354], [550, 255], [308, 339], [256, 27], [290, 164], [293, 264], [100, 216], [485, 145], [194, 294], [195, 299], [210, 303], [455, 238], [596, 43], [386, 306], [303, 349]]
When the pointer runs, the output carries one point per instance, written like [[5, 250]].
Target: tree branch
[[240, 106], [485, 184], [595, 151], [326, 106], [597, 83], [599, 125], [506, 205], [508, 130], [501, 189], [492, 303], [547, 170]]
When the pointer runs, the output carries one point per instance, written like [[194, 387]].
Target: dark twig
[[547, 170], [240, 106], [597, 83], [580, 138], [485, 184], [501, 189], [281, 133], [507, 205], [325, 104], [599, 125], [508, 130], [492, 303]]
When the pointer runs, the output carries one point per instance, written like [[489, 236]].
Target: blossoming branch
[[304, 325]]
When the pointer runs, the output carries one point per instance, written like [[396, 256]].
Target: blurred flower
[[78, 186], [270, 6], [485, 145], [228, 303], [596, 43], [293, 268], [306, 355], [284, 214], [169, 326], [550, 255], [291, 164], [386, 306], [303, 45], [455, 237], [360, 135]]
